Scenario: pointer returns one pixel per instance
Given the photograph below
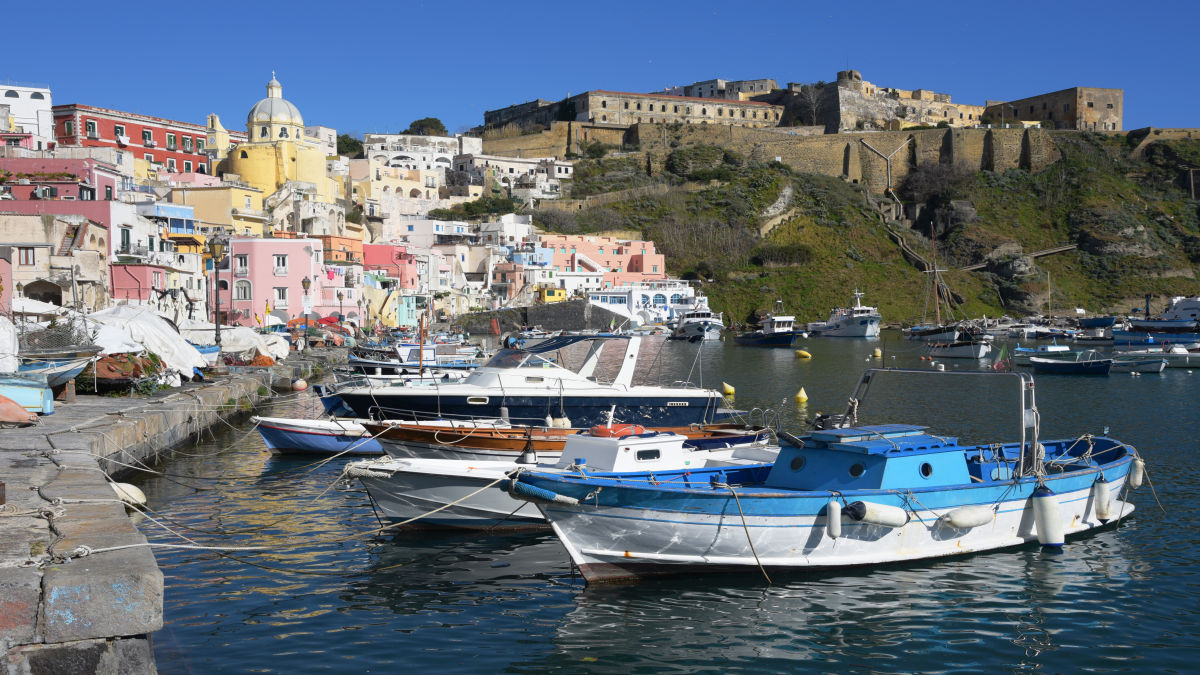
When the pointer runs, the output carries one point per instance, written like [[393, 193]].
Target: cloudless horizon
[[375, 67]]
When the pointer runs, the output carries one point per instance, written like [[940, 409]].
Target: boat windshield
[[515, 358]]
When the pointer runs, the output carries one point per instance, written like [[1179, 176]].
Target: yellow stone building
[[276, 154], [235, 208]]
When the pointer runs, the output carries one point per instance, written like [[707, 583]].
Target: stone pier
[[80, 591]]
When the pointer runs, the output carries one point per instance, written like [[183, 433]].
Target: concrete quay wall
[[80, 590]]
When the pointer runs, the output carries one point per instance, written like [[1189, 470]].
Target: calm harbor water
[[321, 599]]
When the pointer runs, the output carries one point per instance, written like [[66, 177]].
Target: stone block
[[125, 656], [20, 595], [103, 595]]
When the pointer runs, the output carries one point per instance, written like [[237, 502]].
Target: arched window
[[283, 132], [243, 155], [263, 133], [645, 299], [37, 96], [660, 299], [11, 94], [222, 285], [676, 299], [241, 290]]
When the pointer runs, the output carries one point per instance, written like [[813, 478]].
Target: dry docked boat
[[457, 493], [856, 495]]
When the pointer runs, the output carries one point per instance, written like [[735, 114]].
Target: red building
[[177, 146], [393, 260]]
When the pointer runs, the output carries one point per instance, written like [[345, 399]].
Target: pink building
[[264, 276], [137, 283], [393, 260], [624, 260], [65, 179]]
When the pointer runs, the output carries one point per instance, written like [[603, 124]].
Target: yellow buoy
[[801, 354], [878, 353], [727, 389], [801, 396]]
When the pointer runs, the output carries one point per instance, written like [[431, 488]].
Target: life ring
[[618, 430]]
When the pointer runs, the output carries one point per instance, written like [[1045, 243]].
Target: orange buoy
[[618, 430]]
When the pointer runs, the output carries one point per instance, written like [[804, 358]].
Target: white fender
[[966, 517], [1047, 517], [1137, 472], [130, 494], [833, 519], [877, 514], [1102, 500]]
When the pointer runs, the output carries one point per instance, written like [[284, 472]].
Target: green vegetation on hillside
[[1132, 220]]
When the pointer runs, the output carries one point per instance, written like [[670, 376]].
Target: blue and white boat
[[526, 387], [339, 436], [30, 391], [836, 497], [59, 365]]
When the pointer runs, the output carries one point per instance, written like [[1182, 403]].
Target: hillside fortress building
[[848, 104]]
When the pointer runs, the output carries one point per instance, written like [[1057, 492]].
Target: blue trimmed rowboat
[[324, 437], [858, 495], [1086, 362]]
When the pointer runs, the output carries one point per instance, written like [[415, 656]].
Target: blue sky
[[375, 67]]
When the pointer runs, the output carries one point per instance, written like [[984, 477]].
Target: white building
[[509, 231], [426, 233], [324, 138], [29, 106], [424, 153], [542, 173]]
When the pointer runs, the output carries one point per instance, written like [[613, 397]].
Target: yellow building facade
[[276, 150], [237, 209]]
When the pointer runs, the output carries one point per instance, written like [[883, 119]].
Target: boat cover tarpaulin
[[142, 326], [238, 340], [9, 345]]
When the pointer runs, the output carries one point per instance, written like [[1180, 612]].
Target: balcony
[[241, 271], [122, 140], [149, 142], [281, 271]]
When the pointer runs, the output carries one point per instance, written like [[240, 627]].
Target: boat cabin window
[[647, 455], [513, 358]]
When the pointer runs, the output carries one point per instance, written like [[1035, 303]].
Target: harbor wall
[[80, 590]]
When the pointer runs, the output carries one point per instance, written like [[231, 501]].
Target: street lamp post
[[216, 249], [306, 283], [341, 316]]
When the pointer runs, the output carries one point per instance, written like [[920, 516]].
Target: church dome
[[274, 108]]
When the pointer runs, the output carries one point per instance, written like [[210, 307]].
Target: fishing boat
[[1021, 355], [959, 349], [857, 320], [58, 365], [946, 333], [30, 391], [1086, 362], [339, 436], [1176, 356], [433, 492], [844, 496], [775, 330], [698, 323], [1136, 365], [525, 386], [488, 440], [1178, 323]]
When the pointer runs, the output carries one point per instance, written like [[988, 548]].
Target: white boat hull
[[972, 350], [703, 330], [715, 541]]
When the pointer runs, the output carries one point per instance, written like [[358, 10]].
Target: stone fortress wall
[[845, 155]]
